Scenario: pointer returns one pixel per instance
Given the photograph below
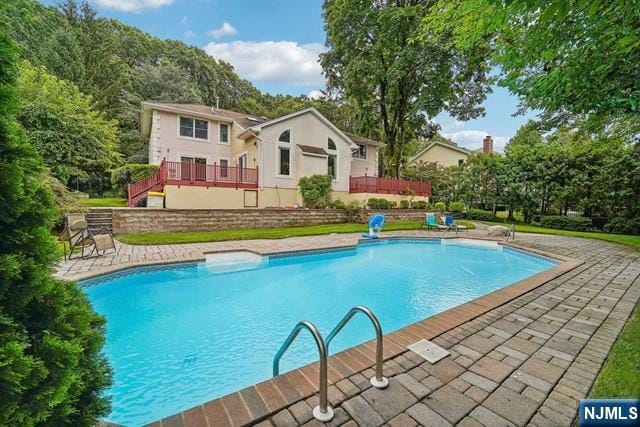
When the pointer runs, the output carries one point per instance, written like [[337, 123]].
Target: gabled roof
[[309, 110], [363, 140], [442, 144], [242, 119]]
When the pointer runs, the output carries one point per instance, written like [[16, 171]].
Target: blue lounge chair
[[450, 223], [376, 221], [430, 222]]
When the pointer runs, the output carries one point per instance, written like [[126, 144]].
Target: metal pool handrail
[[378, 381], [322, 412], [511, 232]]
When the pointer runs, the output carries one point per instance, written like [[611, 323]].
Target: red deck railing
[[178, 173], [374, 184]]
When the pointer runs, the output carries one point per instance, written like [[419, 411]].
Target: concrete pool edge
[[257, 402]]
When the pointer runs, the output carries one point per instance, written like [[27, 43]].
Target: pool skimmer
[[428, 350]]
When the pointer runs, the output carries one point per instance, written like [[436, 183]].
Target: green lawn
[[104, 202], [616, 379], [632, 241], [262, 233]]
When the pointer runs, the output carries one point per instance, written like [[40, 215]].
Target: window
[[360, 152], [285, 136], [332, 159], [224, 133], [284, 155], [194, 128]]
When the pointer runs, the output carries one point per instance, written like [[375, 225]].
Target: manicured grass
[[616, 379], [632, 241], [262, 233], [104, 202]]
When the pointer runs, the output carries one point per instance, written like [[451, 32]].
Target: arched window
[[285, 136], [331, 145], [284, 153]]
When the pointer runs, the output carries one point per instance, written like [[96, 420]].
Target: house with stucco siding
[[213, 158]]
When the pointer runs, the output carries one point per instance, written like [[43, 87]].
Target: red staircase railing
[[138, 190], [375, 184]]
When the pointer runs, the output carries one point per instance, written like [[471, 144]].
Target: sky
[[275, 44]]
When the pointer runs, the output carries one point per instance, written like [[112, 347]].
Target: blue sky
[[275, 45]]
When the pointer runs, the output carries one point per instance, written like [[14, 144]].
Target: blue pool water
[[180, 336]]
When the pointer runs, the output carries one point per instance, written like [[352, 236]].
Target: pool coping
[[259, 401]]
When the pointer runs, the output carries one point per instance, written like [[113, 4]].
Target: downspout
[[261, 163]]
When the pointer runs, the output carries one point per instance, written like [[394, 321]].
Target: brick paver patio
[[526, 362]]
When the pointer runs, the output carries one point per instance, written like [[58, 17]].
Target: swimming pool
[[184, 334]]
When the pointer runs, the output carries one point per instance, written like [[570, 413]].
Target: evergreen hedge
[[52, 371]]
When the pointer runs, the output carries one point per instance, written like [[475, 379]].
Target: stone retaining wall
[[141, 220]]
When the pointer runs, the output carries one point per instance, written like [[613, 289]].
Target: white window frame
[[334, 153], [228, 141], [193, 138], [366, 152], [289, 145]]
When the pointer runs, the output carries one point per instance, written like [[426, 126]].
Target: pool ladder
[[323, 412], [511, 233]]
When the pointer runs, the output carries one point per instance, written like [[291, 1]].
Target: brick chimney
[[487, 144]]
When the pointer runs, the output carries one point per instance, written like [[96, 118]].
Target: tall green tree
[[399, 80], [576, 56], [71, 135], [52, 371]]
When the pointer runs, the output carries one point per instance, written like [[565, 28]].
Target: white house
[[215, 158]]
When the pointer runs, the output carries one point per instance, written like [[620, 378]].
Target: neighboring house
[[448, 154], [215, 158]]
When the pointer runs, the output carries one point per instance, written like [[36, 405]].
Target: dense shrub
[[128, 174], [623, 226], [52, 371], [375, 203], [480, 215], [337, 204], [419, 204], [575, 223], [456, 207], [405, 204], [315, 190], [440, 206]]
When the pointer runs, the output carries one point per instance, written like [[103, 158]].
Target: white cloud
[[225, 29], [189, 35], [132, 5], [472, 139], [456, 124], [315, 94], [272, 61], [184, 20]]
